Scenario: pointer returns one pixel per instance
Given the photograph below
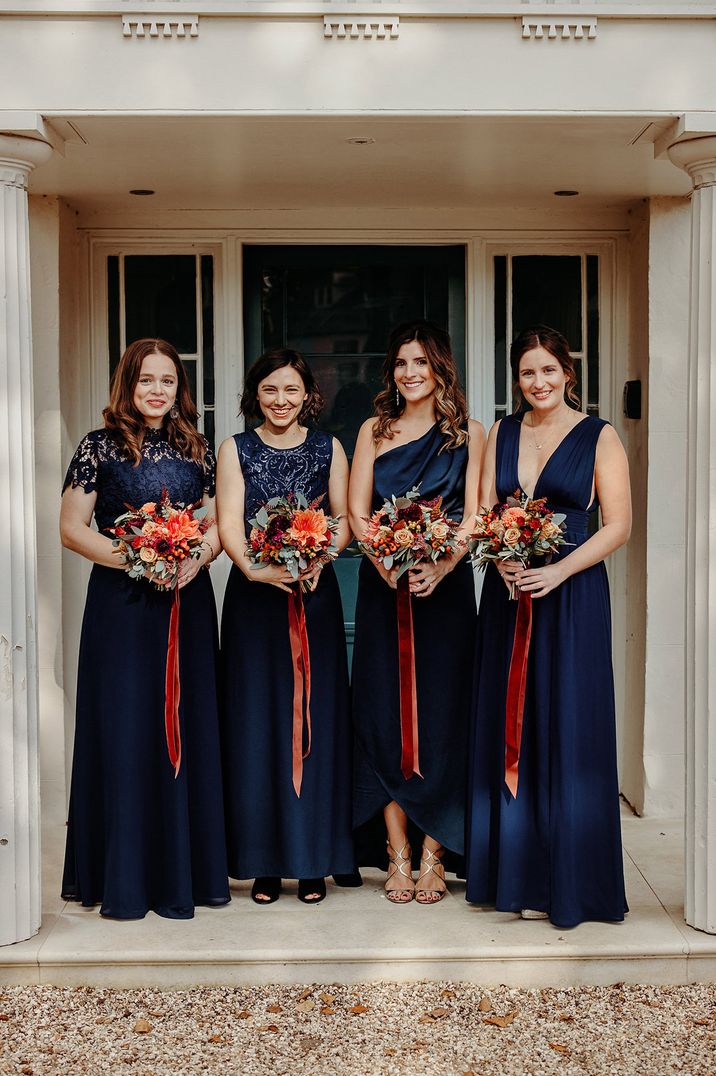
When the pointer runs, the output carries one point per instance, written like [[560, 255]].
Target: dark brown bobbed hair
[[266, 365], [127, 425], [450, 403], [556, 344]]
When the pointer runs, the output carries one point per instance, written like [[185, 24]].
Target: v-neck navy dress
[[556, 847], [270, 830], [444, 634], [139, 839]]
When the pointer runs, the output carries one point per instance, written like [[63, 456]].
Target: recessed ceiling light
[[141, 192], [360, 141], [565, 194]]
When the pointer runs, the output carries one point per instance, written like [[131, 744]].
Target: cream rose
[[147, 554], [403, 537], [440, 531], [549, 530], [511, 536]]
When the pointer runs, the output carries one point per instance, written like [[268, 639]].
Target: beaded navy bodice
[[100, 464], [274, 472]]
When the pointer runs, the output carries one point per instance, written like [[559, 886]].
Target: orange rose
[[150, 508]]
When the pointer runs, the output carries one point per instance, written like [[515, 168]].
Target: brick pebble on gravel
[[436, 1028]]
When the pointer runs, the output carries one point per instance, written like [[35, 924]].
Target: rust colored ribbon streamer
[[516, 684], [172, 689], [409, 759], [298, 638]]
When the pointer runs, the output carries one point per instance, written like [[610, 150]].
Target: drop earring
[[174, 412], [397, 396]]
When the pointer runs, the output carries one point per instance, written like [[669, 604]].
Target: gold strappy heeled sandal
[[399, 863], [430, 862]]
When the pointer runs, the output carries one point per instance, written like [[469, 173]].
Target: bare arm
[[360, 492], [338, 494], [76, 533], [611, 480], [488, 477], [230, 508]]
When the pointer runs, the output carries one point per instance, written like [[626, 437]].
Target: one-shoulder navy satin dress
[[270, 830], [444, 632], [557, 847], [138, 839]]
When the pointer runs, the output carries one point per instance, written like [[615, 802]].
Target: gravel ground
[[436, 1028]]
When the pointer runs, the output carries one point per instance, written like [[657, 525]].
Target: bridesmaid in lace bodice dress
[[272, 831], [421, 436], [553, 850], [138, 838]]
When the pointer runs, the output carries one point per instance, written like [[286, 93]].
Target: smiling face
[[542, 380], [412, 373], [281, 396], [156, 388]]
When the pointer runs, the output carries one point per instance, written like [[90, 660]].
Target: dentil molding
[[561, 26], [361, 26], [151, 25]]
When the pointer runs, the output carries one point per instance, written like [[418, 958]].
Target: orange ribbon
[[516, 687], [172, 689], [298, 638], [409, 761]]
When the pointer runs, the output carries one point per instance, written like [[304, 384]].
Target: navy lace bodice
[[274, 472], [100, 464]]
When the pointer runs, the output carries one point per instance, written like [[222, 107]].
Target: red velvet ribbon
[[298, 638], [172, 689], [409, 760], [516, 685]]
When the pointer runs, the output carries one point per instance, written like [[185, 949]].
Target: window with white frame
[[559, 290], [171, 297]]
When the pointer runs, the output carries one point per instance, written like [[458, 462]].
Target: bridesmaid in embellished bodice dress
[[275, 828], [421, 436], [554, 849], [140, 838]]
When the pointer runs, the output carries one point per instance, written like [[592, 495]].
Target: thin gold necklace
[[539, 445]]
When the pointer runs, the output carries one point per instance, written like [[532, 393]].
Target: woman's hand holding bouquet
[[158, 538], [291, 541]]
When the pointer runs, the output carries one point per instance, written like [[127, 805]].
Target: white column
[[698, 157], [19, 760]]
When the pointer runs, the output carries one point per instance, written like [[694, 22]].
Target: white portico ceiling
[[225, 162]]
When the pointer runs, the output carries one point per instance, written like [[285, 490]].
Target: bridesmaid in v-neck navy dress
[[555, 849]]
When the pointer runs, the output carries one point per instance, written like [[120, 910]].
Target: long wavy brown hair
[[557, 345], [127, 425], [449, 402]]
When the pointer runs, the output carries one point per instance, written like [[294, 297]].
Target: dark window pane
[[160, 298], [209, 428], [547, 290], [190, 367], [592, 401], [501, 330], [207, 320], [113, 312]]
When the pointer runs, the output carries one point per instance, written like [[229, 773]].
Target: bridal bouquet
[[519, 529], [291, 532], [157, 537], [407, 530]]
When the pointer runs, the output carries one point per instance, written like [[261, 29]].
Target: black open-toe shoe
[[311, 885], [348, 881], [265, 890]]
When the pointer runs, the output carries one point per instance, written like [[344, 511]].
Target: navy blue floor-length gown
[[556, 847], [444, 632], [138, 839], [270, 830]]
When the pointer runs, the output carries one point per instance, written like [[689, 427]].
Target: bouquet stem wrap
[[172, 689], [301, 660], [516, 685], [409, 760]]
